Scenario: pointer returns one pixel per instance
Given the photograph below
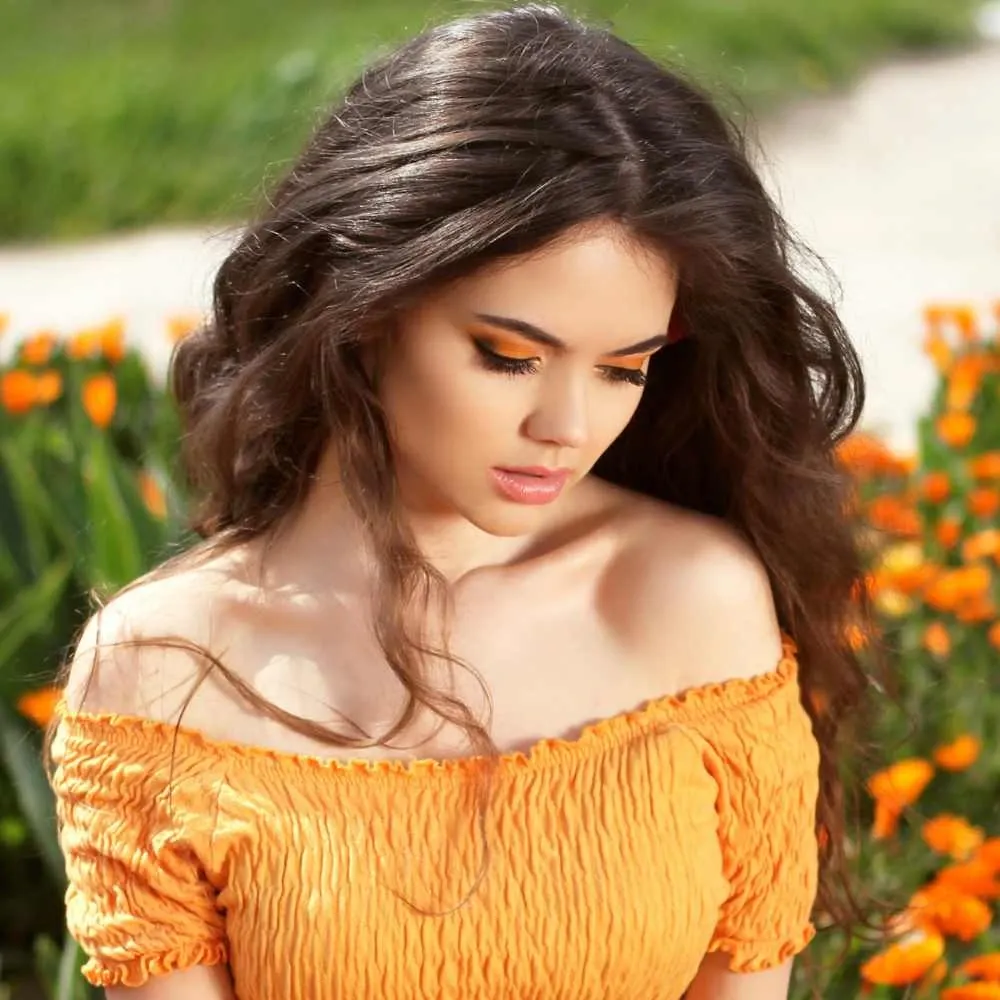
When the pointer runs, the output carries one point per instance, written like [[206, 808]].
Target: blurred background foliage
[[121, 113]]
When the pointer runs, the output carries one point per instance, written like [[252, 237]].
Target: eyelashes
[[494, 362]]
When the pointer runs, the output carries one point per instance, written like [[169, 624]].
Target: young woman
[[525, 559]]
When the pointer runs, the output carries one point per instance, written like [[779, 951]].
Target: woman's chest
[[599, 880]]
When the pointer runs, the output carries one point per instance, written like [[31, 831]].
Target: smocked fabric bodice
[[604, 868]]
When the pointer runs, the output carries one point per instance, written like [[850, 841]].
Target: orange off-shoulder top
[[614, 861]]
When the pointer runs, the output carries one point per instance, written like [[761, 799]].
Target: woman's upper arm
[[202, 982], [715, 981]]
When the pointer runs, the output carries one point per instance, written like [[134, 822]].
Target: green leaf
[[70, 984], [20, 754], [31, 611], [33, 550], [116, 551]]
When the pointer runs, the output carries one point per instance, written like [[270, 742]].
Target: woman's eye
[[633, 376], [495, 362], [501, 363]]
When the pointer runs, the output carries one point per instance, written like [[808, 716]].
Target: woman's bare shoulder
[[693, 593], [137, 654]]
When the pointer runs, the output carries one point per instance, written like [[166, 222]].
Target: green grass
[[122, 113]]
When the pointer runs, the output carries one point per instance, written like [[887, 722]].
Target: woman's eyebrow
[[532, 332]]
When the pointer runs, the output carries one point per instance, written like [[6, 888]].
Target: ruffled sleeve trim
[[136, 972], [756, 956]]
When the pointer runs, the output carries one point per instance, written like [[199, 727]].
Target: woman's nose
[[560, 412]]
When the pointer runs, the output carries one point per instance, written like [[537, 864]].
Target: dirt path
[[896, 185]]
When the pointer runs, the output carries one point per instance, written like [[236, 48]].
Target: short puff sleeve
[[135, 827], [765, 760]]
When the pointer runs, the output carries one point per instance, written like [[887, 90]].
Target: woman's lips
[[529, 487]]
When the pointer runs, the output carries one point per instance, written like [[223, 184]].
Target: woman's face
[[538, 363]]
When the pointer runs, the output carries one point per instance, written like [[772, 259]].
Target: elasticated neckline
[[689, 705]]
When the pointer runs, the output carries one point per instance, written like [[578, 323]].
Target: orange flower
[[976, 611], [100, 397], [964, 380], [972, 991], [910, 959], [993, 635], [984, 501], [989, 853], [950, 912], [973, 877], [85, 344], [39, 705], [894, 789], [985, 966], [18, 391], [956, 428], [889, 513], [952, 835], [152, 495], [958, 755], [982, 544], [4, 322], [948, 532], [937, 349], [112, 339], [936, 640], [179, 327], [936, 487], [48, 387], [985, 466], [956, 586], [38, 349]]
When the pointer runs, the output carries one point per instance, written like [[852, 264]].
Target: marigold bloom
[[936, 640], [989, 853], [939, 351], [18, 391], [85, 344], [152, 495], [903, 567], [39, 705], [100, 398], [959, 754], [38, 349], [112, 339], [956, 428], [179, 327], [936, 487], [985, 466], [890, 513], [48, 387], [993, 635], [964, 380], [905, 962], [984, 501], [985, 966], [981, 545], [901, 784], [952, 835], [973, 877], [976, 610], [947, 532], [955, 586], [951, 912], [984, 990]]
